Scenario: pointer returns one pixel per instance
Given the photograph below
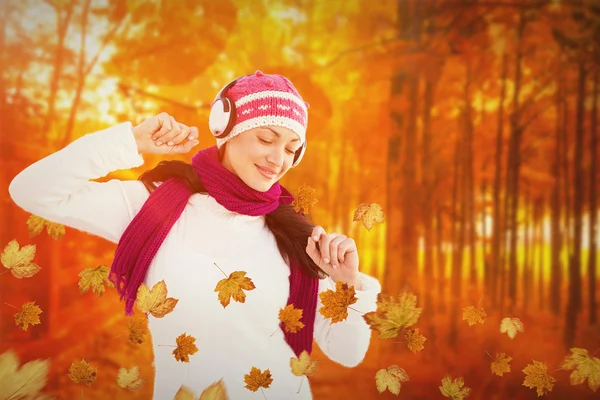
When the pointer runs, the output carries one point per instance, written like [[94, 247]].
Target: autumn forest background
[[472, 123]]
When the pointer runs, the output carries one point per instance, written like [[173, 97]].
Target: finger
[[312, 251], [317, 232], [182, 136], [324, 246], [347, 246], [173, 133], [185, 147], [165, 126], [333, 250]]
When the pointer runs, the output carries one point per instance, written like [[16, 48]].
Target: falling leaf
[[392, 316], [536, 376], [303, 365], [155, 301], [19, 261], [231, 288], [257, 379], [35, 226], [82, 372], [454, 389], [390, 378], [500, 365], [130, 379], [304, 199], [473, 315], [95, 278], [415, 340], [511, 326], [369, 214], [584, 366], [335, 304], [290, 317], [21, 383], [185, 347], [138, 327], [215, 391], [29, 315]]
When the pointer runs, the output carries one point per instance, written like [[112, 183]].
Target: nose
[[276, 157]]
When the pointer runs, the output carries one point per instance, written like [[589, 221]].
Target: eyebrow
[[279, 134]]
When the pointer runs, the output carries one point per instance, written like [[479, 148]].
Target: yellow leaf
[[130, 379], [257, 379], [184, 393], [500, 365], [511, 326], [82, 372], [536, 376], [24, 382], [231, 288], [304, 199], [138, 327], [303, 365], [584, 366], [185, 347], [29, 315], [454, 389], [473, 315], [369, 214], [155, 301], [415, 340], [392, 316], [215, 391], [290, 317], [335, 304], [19, 261], [35, 226], [390, 378], [95, 278]]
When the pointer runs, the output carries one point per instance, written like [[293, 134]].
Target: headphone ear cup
[[221, 118], [299, 155]]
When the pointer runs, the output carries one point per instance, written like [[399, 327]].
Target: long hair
[[291, 230]]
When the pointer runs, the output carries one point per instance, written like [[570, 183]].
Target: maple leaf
[[95, 278], [369, 214], [511, 326], [392, 316], [290, 317], [454, 389], [335, 304], [233, 288], [500, 365], [303, 365], [130, 379], [473, 315], [584, 366], [257, 379], [19, 261], [35, 226], [155, 301], [185, 347], [138, 327], [29, 315], [536, 376], [82, 372], [390, 378], [304, 198], [414, 340], [23, 382]]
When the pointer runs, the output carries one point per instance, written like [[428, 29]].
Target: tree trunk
[[539, 244], [498, 229], [593, 234], [574, 302], [426, 187], [556, 232], [527, 274], [440, 260], [469, 177], [566, 179]]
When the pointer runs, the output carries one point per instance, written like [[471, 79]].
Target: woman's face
[[261, 156]]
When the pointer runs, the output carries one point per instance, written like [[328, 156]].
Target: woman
[[192, 225]]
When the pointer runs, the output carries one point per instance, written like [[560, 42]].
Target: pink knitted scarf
[[148, 229]]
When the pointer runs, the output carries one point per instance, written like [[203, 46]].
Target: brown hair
[[291, 230]]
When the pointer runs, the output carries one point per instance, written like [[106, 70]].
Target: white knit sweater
[[230, 340]]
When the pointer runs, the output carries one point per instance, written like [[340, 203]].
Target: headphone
[[221, 119]]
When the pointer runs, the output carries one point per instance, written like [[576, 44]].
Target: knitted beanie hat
[[266, 99]]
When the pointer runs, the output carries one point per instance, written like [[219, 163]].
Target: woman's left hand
[[337, 256]]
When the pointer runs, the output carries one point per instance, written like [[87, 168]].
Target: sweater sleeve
[[58, 187], [347, 342]]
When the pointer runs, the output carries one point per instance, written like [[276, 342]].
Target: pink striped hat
[[258, 100]]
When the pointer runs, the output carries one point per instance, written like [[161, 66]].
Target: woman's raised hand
[[161, 134]]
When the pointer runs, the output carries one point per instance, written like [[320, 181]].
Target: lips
[[266, 172]]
